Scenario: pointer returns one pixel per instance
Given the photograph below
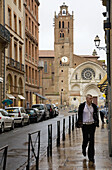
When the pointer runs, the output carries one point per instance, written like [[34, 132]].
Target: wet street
[[17, 140], [69, 155]]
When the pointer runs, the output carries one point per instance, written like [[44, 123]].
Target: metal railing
[[3, 157], [15, 64], [33, 149]]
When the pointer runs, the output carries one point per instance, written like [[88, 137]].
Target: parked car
[[42, 109], [51, 110], [19, 115], [34, 114], [5, 121], [56, 110]]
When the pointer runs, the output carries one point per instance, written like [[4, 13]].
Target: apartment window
[[68, 24], [59, 24], [45, 66], [29, 24], [35, 76], [26, 73], [15, 51], [15, 23], [19, 4], [20, 54], [32, 5], [10, 49], [26, 22], [35, 54], [30, 74], [35, 32], [20, 27], [32, 53], [29, 48], [26, 43], [35, 10], [9, 17], [32, 28]]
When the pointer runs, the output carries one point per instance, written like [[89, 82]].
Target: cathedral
[[68, 77]]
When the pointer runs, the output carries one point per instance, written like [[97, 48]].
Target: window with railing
[[29, 74], [26, 20], [35, 76]]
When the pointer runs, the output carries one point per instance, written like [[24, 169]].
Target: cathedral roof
[[89, 56]]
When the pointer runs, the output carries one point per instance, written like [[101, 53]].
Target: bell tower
[[63, 50]]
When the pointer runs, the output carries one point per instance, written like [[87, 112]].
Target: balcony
[[40, 65], [4, 34], [15, 64]]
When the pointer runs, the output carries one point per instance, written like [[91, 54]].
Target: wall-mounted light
[[97, 43]]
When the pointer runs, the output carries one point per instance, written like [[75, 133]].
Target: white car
[[56, 110], [19, 115], [5, 121]]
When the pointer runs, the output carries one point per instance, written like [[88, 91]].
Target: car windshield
[[48, 106], [30, 111], [40, 107], [12, 110]]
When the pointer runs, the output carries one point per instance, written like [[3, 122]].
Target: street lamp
[[97, 43]]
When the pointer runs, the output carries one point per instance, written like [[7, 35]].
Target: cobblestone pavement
[[69, 155]]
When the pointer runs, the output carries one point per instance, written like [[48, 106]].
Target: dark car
[[51, 110], [34, 114], [42, 110]]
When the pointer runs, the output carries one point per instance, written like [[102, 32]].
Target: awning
[[10, 96], [40, 96], [102, 85], [21, 97]]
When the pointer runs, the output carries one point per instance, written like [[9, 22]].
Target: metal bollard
[[49, 148], [58, 133], [63, 136], [72, 122], [69, 124]]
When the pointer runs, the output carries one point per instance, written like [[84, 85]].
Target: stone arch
[[9, 83], [91, 89], [84, 65], [20, 86]]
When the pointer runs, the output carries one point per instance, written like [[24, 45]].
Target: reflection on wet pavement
[[69, 155]]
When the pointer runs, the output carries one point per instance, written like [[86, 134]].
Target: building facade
[[4, 41], [32, 69], [74, 76], [15, 70]]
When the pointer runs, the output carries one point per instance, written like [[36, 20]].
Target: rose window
[[88, 73]]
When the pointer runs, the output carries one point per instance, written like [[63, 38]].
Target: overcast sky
[[88, 22]]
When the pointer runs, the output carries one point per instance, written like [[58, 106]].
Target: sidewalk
[[69, 155]]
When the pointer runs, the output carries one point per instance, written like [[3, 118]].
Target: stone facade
[[15, 63], [4, 41], [74, 76], [32, 53]]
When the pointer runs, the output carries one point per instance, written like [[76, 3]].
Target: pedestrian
[[102, 116], [88, 120]]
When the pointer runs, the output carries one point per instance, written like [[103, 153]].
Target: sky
[[88, 22]]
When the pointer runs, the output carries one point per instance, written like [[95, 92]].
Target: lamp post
[[97, 43]]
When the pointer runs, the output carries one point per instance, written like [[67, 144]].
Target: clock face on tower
[[64, 59]]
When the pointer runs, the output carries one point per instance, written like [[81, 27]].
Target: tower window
[[62, 34], [61, 70], [61, 89], [63, 24], [62, 81], [68, 31], [59, 24]]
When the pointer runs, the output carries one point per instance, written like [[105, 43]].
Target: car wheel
[[2, 128], [12, 126]]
